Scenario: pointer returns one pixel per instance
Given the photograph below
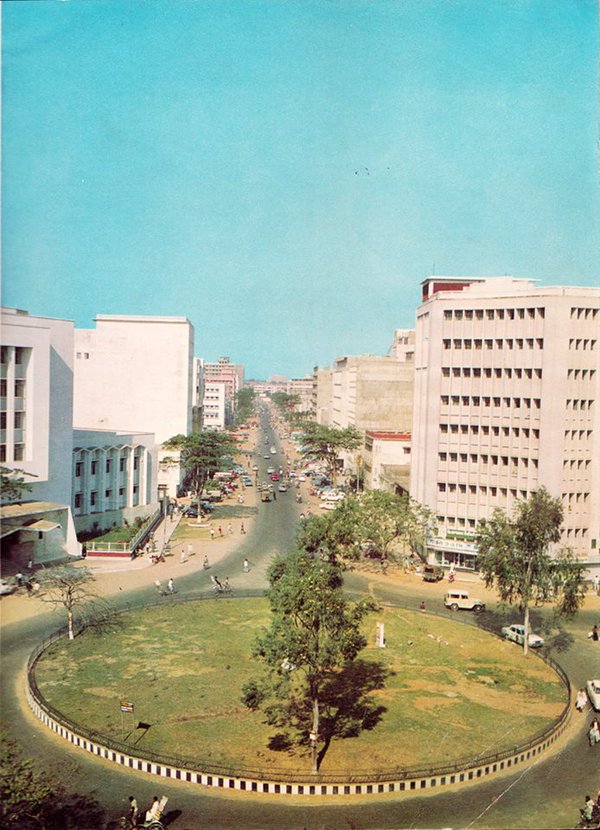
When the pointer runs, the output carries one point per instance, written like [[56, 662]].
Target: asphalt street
[[546, 795]]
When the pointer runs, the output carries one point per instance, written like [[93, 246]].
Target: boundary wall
[[401, 781]]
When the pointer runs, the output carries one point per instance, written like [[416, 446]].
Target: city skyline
[[286, 174]]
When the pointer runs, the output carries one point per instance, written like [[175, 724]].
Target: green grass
[[452, 692]]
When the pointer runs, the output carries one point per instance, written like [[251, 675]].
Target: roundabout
[[444, 703]]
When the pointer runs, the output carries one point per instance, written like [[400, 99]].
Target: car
[[592, 688], [206, 507], [248, 482], [255, 467], [516, 633], [270, 470], [282, 488], [7, 587], [432, 573], [456, 600], [191, 512], [266, 456], [328, 505], [273, 451], [333, 496], [275, 476]]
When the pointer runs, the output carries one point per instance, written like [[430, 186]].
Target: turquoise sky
[[286, 173]]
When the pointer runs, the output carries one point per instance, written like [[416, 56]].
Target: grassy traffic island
[[438, 692]]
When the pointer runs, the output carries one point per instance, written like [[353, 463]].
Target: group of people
[[169, 590], [153, 813], [590, 812], [220, 587], [593, 733]]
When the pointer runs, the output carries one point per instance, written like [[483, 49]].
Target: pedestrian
[[28, 587], [594, 732], [171, 586], [220, 529], [205, 564], [581, 700], [133, 811], [212, 533], [183, 556], [158, 587], [422, 605], [30, 565], [594, 634], [229, 528], [19, 578], [242, 529], [596, 583], [246, 566]]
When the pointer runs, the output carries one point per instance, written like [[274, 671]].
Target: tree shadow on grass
[[348, 708]]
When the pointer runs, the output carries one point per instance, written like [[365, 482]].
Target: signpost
[[380, 636], [126, 706]]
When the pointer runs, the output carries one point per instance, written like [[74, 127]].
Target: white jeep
[[461, 600]]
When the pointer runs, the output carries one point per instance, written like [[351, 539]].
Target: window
[[107, 466], [136, 462], [78, 468], [121, 464], [93, 498], [93, 467], [77, 499], [107, 494]]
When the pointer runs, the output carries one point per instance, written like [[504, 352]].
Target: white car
[[7, 587], [516, 633], [593, 690], [333, 496], [282, 488], [328, 505]]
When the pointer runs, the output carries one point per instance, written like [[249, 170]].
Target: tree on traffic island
[[326, 444], [201, 455], [515, 557], [70, 588], [314, 688]]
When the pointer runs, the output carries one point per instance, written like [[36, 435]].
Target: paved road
[[545, 796]]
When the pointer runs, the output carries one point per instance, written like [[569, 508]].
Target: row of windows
[[585, 313], [496, 343], [576, 463], [578, 404], [476, 372], [19, 352], [18, 420], [495, 313], [17, 455], [84, 355], [581, 434], [78, 500], [495, 460], [475, 429], [581, 374], [575, 498], [80, 465], [486, 400], [482, 490], [19, 388], [580, 344]]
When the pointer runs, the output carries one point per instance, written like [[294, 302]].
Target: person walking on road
[[242, 529], [246, 566], [171, 586], [159, 588]]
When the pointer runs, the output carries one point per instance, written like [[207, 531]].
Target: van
[[461, 600], [432, 573]]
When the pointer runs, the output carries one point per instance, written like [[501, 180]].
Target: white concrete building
[[114, 477], [386, 461], [214, 408], [507, 383], [36, 402], [135, 374]]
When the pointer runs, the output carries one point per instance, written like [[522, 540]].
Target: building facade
[[386, 461], [135, 374], [214, 406], [36, 408], [114, 477], [507, 381]]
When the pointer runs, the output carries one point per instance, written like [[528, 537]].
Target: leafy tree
[[382, 523], [514, 555], [323, 443], [31, 800], [70, 588], [13, 484], [244, 400], [201, 454], [311, 644]]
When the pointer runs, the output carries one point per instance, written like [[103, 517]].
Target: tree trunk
[[70, 624], [526, 631], [315, 735]]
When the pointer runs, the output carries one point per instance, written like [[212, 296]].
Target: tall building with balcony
[[36, 418], [507, 382]]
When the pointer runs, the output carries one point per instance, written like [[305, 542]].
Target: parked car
[[432, 573], [275, 476], [461, 600], [516, 633], [593, 690], [266, 456], [7, 587], [282, 488], [270, 470], [255, 467], [206, 507], [191, 512], [333, 496]]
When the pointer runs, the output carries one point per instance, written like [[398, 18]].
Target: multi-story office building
[[114, 477], [214, 405], [229, 374], [36, 406], [135, 374], [507, 381]]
